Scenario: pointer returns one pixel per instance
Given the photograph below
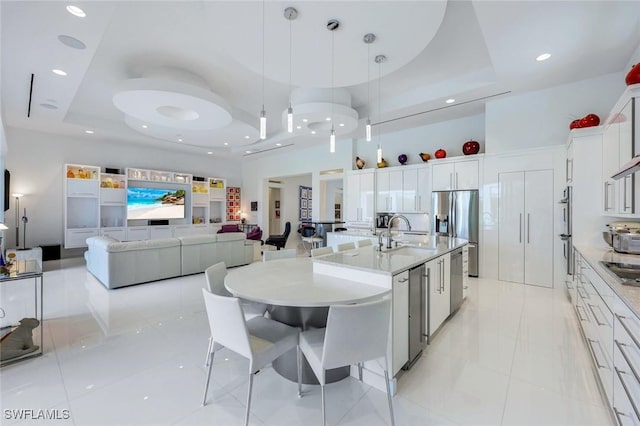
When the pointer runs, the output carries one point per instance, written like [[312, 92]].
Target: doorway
[[274, 211]]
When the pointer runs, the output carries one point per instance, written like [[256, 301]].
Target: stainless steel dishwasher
[[416, 314], [456, 279]]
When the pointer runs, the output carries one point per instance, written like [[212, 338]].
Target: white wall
[[450, 135], [36, 163], [542, 118]]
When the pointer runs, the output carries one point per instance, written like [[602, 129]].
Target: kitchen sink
[[628, 273]]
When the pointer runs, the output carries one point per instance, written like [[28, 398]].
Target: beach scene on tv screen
[[155, 203]]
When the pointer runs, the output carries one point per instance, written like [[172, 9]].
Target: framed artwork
[[254, 206], [277, 204], [304, 203], [277, 213], [233, 203]]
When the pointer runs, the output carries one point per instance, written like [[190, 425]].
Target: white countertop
[[393, 261], [594, 255], [292, 282]]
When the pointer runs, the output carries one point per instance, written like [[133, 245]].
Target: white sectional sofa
[[118, 264]]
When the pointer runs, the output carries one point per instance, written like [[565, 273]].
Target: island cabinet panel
[[400, 330], [437, 272]]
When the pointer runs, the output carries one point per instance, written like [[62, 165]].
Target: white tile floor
[[134, 356]]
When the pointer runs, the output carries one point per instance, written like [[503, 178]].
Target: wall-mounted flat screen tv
[[155, 203]]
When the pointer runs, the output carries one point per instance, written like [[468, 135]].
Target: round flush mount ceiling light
[[59, 72], [71, 42], [450, 101], [90, 132], [76, 11], [543, 57]]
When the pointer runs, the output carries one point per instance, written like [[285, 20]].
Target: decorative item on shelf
[[402, 158], [589, 120], [70, 174], [633, 77], [360, 163], [575, 124], [440, 153], [425, 156], [382, 163], [470, 147]]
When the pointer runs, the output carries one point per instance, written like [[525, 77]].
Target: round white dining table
[[299, 298]]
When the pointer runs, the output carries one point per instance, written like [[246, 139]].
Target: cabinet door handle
[[606, 196], [457, 181], [618, 414], [403, 280], [580, 317], [566, 168], [528, 228], [633, 337], [624, 197], [443, 277], [593, 351], [595, 316], [626, 358], [626, 390], [583, 295], [520, 229]]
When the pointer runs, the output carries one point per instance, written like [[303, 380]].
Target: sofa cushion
[[229, 228], [231, 236], [255, 234], [142, 245], [198, 239]]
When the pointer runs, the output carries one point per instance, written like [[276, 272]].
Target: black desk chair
[[280, 240]]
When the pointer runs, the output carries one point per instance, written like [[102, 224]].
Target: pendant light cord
[[290, 56], [333, 35], [368, 81], [263, 55]]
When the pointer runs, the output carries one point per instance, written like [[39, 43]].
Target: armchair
[[279, 240]]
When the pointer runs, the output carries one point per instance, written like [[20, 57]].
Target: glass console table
[[20, 302]]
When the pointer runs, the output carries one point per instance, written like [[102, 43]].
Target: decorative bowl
[[402, 158], [425, 156]]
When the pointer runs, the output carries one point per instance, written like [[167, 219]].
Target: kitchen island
[[419, 276]]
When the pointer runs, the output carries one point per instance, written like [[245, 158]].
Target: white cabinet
[[388, 190], [459, 175], [416, 193], [465, 271], [119, 234], [75, 238], [525, 245], [400, 331], [137, 233], [438, 276], [626, 197], [157, 232], [359, 196]]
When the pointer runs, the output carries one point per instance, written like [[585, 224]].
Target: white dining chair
[[346, 246], [321, 251], [259, 339], [366, 242], [354, 334], [279, 254], [214, 276]]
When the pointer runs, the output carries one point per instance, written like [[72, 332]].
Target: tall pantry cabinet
[[526, 218]]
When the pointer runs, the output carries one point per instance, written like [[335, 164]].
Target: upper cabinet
[[360, 195], [455, 175], [621, 197], [402, 189]]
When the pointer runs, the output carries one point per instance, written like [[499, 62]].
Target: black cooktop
[[628, 273]]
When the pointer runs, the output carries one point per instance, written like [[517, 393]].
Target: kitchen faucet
[[388, 230]]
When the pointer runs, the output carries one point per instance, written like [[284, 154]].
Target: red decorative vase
[[575, 124], [470, 147], [633, 77], [589, 120], [441, 153]]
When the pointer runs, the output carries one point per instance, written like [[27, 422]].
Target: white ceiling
[[205, 57]]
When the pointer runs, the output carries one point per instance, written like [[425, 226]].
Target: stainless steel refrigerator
[[455, 214]]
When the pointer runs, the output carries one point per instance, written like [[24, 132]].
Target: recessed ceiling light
[[341, 124], [246, 137], [328, 118], [278, 144], [543, 57], [298, 127], [144, 126], [48, 106], [313, 132], [450, 101], [179, 139], [209, 152], [89, 132], [305, 120], [58, 72], [226, 143], [71, 42], [76, 11], [248, 152]]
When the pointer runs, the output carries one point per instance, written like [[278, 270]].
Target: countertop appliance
[[455, 214], [566, 230], [417, 314], [624, 237], [456, 280], [627, 273]]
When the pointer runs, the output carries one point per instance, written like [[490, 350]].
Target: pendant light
[[290, 13], [332, 25], [379, 60], [368, 39], [263, 114]]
